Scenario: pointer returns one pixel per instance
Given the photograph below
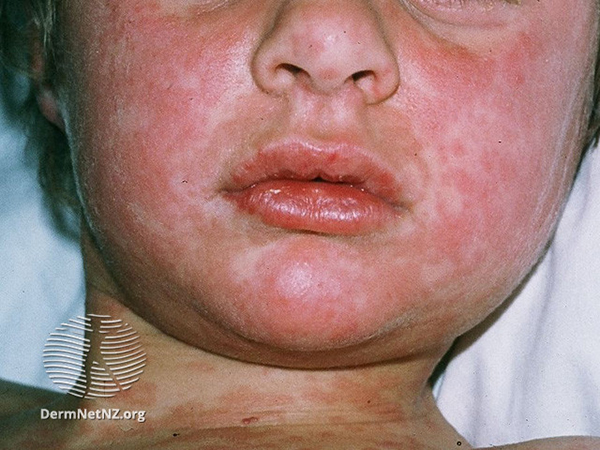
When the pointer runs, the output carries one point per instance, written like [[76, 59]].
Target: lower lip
[[318, 207]]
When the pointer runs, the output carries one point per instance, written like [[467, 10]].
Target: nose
[[327, 46]]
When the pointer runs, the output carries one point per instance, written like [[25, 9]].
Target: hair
[[26, 23]]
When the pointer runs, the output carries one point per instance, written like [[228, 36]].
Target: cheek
[[157, 139], [501, 136]]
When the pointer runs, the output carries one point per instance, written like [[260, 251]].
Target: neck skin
[[185, 388]]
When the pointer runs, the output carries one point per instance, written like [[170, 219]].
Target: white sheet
[[535, 372], [41, 276]]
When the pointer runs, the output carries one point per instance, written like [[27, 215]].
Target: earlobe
[[48, 104], [45, 92]]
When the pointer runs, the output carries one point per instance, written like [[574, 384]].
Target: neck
[[207, 391]]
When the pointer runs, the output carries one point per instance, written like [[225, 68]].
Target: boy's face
[[203, 130]]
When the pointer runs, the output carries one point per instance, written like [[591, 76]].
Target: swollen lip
[[315, 206]]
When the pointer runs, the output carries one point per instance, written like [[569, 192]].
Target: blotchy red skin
[[168, 99]]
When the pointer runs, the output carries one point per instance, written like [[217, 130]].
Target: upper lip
[[340, 163]]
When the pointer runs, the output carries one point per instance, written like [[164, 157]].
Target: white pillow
[[41, 275], [534, 370]]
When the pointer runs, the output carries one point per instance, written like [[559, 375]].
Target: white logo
[[119, 356]]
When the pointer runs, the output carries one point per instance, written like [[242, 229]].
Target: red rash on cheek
[[492, 157], [158, 112], [157, 69]]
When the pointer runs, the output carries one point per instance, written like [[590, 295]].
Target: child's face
[[459, 123]]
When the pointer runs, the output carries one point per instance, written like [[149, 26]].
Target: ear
[[46, 95], [48, 104]]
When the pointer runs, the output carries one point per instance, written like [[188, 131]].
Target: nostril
[[279, 77], [291, 68], [361, 75], [366, 81]]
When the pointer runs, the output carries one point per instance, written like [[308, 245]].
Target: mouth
[[337, 191]]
